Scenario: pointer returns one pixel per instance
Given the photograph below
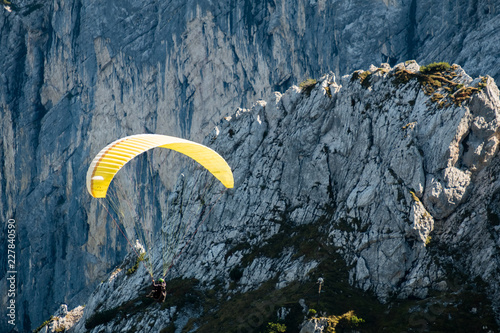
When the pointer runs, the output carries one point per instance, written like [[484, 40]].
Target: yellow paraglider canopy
[[115, 155]]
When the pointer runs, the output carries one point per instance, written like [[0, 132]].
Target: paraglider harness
[[159, 291]]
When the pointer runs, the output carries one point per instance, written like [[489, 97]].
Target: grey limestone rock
[[303, 152], [75, 75]]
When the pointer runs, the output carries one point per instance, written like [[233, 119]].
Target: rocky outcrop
[[316, 325], [62, 320], [76, 75], [387, 167]]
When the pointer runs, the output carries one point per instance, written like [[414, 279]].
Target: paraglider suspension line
[[194, 233], [133, 247]]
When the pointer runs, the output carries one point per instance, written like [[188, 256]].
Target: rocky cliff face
[[390, 171], [77, 75]]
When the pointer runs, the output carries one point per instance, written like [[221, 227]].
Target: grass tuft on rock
[[435, 67]]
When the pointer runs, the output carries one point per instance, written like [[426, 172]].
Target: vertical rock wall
[[76, 75]]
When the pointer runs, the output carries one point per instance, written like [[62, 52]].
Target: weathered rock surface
[[366, 154], [76, 75], [63, 319], [316, 325]]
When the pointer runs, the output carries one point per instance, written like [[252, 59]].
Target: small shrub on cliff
[[275, 328], [403, 76], [39, 328], [311, 313], [483, 83], [308, 85], [435, 67], [436, 97], [328, 91], [363, 77], [349, 321], [132, 269]]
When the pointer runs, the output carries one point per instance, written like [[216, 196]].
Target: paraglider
[[108, 162], [159, 292], [114, 156]]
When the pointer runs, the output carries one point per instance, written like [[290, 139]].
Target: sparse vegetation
[[382, 70], [429, 83], [347, 321], [134, 268], [483, 83], [303, 239], [436, 79], [409, 125], [275, 328], [328, 92], [363, 77], [183, 292], [463, 94], [435, 67], [436, 97], [39, 328], [403, 77], [441, 311], [414, 196], [311, 313], [308, 85]]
